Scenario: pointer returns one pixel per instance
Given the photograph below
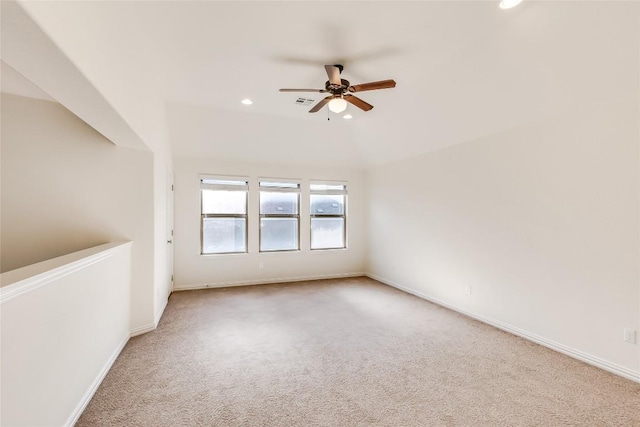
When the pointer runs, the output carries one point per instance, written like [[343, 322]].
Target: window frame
[[230, 187], [278, 189], [328, 192]]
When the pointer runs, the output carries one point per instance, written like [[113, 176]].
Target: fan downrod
[[335, 89]]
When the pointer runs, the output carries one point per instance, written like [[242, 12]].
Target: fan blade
[[358, 102], [382, 84], [321, 104], [303, 90], [334, 74]]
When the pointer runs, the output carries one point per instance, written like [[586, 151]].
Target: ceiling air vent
[[304, 101]]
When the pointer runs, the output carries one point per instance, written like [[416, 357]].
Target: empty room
[[320, 213]]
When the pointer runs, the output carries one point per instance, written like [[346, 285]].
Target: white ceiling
[[464, 70]]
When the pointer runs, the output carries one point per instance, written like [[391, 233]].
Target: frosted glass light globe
[[508, 4], [337, 105]]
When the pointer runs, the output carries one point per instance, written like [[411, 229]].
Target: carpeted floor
[[349, 352]]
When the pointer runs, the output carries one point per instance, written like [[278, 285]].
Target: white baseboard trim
[[143, 329], [264, 281], [576, 354], [75, 415], [151, 326], [161, 312]]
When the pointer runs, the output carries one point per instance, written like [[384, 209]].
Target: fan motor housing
[[337, 89]]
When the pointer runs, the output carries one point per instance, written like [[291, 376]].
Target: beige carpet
[[347, 352]]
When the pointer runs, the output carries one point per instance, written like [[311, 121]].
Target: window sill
[[223, 254]]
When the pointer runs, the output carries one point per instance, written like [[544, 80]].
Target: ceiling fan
[[341, 91]]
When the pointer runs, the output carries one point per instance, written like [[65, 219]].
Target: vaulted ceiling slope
[[177, 71], [15, 83]]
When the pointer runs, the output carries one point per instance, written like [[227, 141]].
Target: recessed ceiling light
[[247, 101], [508, 4], [347, 116]]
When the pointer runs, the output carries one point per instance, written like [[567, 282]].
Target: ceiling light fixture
[[247, 101], [508, 4], [337, 105], [347, 116]]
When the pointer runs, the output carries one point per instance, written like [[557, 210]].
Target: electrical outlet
[[467, 289], [261, 265], [630, 336]]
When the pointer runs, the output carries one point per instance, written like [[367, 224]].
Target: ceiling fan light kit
[[342, 91], [508, 4], [337, 105]]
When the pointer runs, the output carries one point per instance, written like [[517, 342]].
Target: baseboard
[[264, 281], [75, 415], [156, 321], [143, 329], [151, 326], [576, 354]]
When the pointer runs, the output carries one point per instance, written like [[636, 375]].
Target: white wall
[[64, 322], [65, 188], [69, 62], [162, 262], [541, 221], [195, 270]]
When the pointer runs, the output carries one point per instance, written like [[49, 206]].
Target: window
[[279, 216], [328, 224], [223, 224]]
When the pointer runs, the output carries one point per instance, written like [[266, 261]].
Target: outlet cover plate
[[630, 336]]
